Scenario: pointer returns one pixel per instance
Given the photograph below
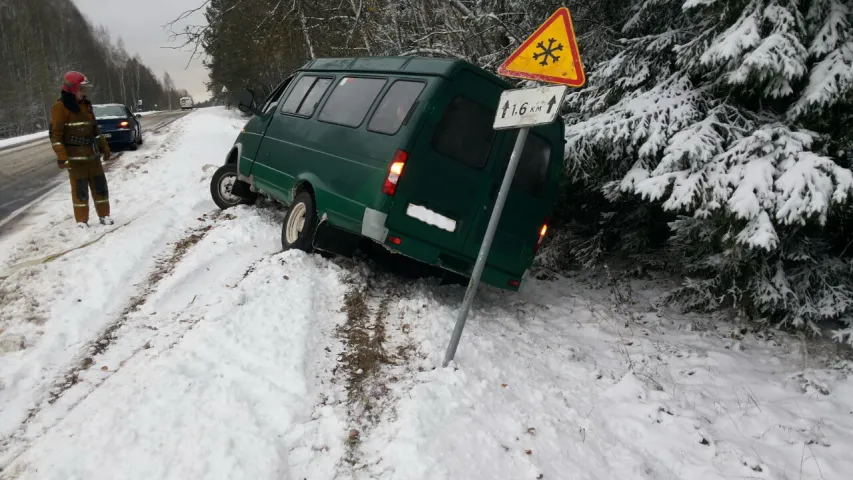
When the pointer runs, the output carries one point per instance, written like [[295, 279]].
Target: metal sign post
[[551, 55], [522, 108], [484, 248]]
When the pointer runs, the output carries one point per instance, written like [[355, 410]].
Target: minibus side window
[[275, 96], [294, 98], [350, 100], [313, 98], [465, 132], [395, 107]]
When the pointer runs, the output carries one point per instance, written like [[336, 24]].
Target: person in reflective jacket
[[78, 143]]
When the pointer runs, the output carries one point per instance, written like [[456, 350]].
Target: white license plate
[[108, 135], [431, 218]]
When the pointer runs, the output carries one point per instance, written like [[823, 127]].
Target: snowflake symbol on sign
[[548, 52]]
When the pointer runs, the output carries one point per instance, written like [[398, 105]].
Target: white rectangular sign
[[528, 107]]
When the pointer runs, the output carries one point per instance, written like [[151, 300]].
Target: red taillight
[[123, 124], [395, 240], [514, 283], [395, 171], [542, 232]]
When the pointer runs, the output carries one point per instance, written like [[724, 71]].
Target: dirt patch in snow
[[364, 337], [167, 266], [367, 364]]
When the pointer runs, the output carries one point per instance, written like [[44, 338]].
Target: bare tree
[[40, 40]]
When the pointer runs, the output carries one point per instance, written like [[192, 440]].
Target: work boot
[[106, 220], [82, 225]]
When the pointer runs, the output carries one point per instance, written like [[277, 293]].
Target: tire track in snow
[[98, 347], [52, 238], [377, 352], [162, 269]]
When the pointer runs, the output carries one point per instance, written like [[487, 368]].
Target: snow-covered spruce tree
[[736, 116]]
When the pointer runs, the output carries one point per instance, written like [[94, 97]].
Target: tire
[[135, 143], [303, 211], [220, 189]]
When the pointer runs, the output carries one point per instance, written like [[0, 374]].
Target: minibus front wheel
[[300, 224]]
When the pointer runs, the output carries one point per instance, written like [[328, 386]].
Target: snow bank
[[50, 311], [555, 383], [227, 400], [14, 141], [182, 344]]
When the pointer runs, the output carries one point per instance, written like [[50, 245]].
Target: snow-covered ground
[[181, 343], [14, 141]]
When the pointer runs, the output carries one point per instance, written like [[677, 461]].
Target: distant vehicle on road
[[401, 151], [186, 103], [119, 125]]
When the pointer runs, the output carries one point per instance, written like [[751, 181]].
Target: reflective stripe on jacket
[[73, 134]]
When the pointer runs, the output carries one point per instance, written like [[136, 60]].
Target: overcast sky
[[140, 24]]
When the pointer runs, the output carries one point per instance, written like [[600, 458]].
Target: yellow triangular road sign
[[549, 55]]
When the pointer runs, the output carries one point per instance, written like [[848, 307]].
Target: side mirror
[[246, 102], [138, 116]]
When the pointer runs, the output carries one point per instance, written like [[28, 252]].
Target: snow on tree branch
[[732, 112]]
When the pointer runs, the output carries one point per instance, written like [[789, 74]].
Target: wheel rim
[[226, 184], [295, 223]]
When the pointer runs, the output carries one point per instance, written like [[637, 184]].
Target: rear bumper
[[429, 254], [119, 136], [374, 227]]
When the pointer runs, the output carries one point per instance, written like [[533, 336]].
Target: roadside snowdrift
[[571, 381], [15, 141], [183, 344], [216, 399], [50, 312]]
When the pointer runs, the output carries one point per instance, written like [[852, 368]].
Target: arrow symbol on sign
[[551, 103], [506, 107]]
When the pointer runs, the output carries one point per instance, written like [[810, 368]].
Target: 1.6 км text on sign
[[529, 107]]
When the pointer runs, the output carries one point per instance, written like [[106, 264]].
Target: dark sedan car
[[120, 126]]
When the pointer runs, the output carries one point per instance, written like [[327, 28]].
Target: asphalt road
[[27, 172]]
